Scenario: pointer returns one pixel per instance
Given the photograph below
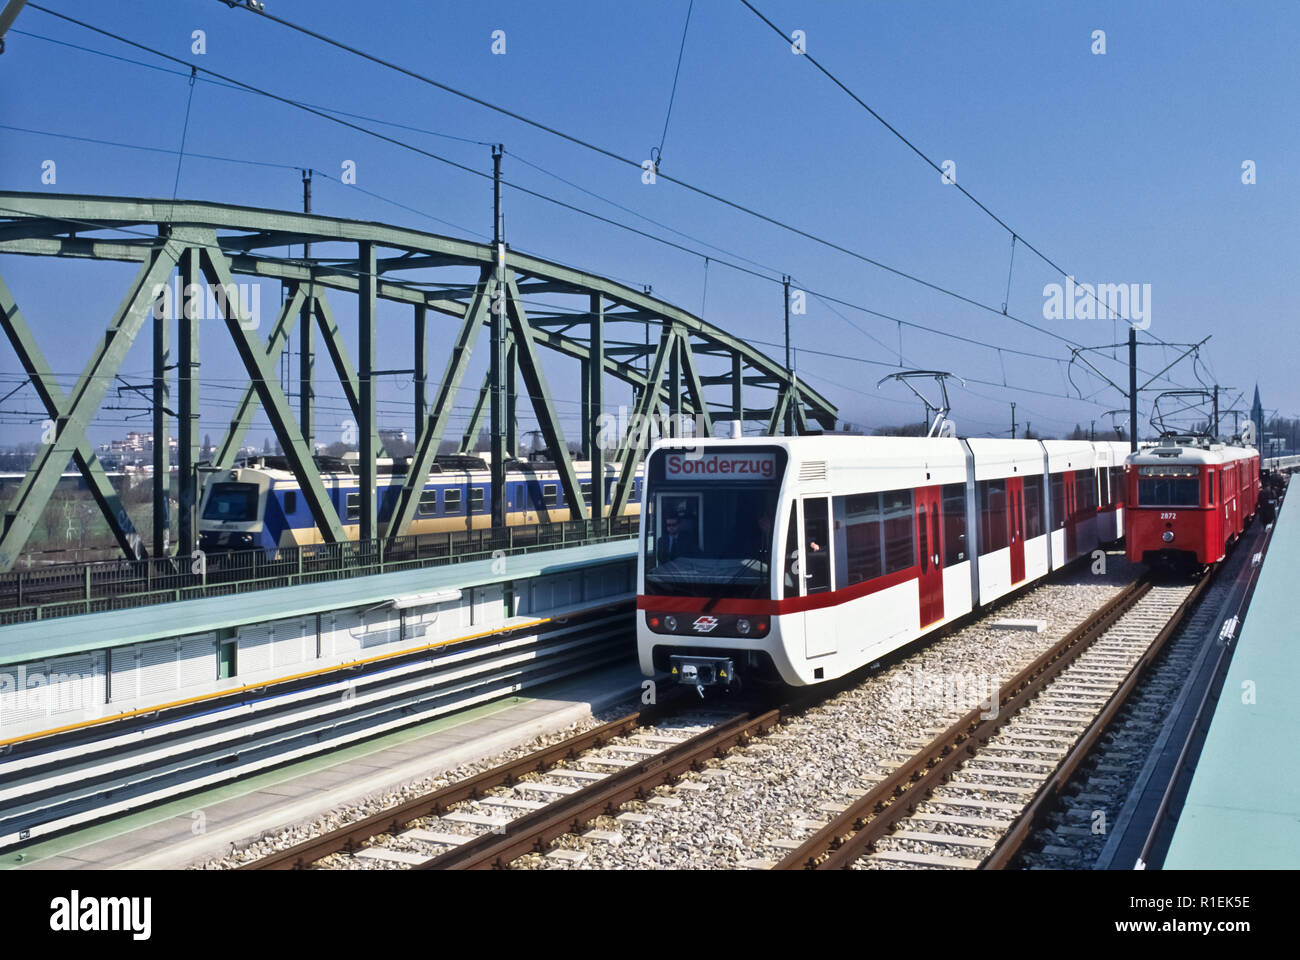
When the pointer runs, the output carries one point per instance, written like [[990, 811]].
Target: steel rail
[[533, 831], [852, 833], [352, 836], [1010, 843]]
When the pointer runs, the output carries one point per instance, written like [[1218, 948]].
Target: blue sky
[[1123, 168]]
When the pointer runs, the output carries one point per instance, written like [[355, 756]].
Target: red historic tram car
[[1188, 500]]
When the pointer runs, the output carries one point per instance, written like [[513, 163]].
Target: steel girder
[[55, 401], [374, 262], [68, 434], [435, 423]]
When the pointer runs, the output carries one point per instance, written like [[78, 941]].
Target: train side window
[[817, 534], [354, 506], [1058, 501], [1033, 497], [1085, 485], [900, 530], [934, 532], [923, 525], [991, 497], [954, 524], [1210, 488], [290, 502], [864, 558], [793, 568], [428, 504], [476, 499], [451, 500], [549, 493], [586, 492]]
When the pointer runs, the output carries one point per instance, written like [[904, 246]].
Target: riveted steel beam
[[435, 425], [55, 402], [69, 431], [105, 212], [62, 225], [778, 411], [262, 371], [530, 368], [595, 403], [367, 410], [637, 440], [189, 446], [694, 388], [161, 396], [276, 343], [342, 362], [470, 437]]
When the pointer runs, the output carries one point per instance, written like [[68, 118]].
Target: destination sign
[[720, 466]]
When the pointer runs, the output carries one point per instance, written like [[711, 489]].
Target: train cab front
[[705, 613], [1172, 524], [230, 513]]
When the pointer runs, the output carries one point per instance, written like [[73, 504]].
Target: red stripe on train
[[816, 601]]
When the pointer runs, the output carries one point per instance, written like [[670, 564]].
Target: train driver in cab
[[675, 541]]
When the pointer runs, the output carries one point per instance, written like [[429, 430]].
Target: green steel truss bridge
[[455, 290]]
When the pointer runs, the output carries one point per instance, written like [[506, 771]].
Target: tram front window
[[707, 535], [1174, 485]]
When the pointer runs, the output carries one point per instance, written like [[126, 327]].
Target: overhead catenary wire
[[656, 154], [613, 155], [326, 115], [234, 84]]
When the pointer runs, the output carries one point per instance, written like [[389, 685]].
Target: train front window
[[232, 502], [709, 523], [1172, 485]]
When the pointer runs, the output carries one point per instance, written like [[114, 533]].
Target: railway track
[[488, 819], [971, 796], [517, 808]]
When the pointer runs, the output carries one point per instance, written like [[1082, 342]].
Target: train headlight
[[742, 627], [670, 623], [1167, 536]]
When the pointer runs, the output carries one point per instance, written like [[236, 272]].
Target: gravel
[[333, 819], [763, 798]]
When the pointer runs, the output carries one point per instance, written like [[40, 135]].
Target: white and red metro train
[[1189, 500], [800, 559]]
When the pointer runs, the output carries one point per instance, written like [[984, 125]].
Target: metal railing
[[63, 590]]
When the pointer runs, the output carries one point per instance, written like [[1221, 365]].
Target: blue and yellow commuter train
[[259, 505]]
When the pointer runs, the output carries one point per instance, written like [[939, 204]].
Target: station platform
[[1242, 809], [205, 824]]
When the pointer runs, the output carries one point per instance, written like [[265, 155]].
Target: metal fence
[[63, 590]]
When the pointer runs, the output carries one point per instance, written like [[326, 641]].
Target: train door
[[1071, 517], [819, 627], [1016, 526], [929, 527]]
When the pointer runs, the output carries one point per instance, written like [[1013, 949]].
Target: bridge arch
[[210, 244]]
